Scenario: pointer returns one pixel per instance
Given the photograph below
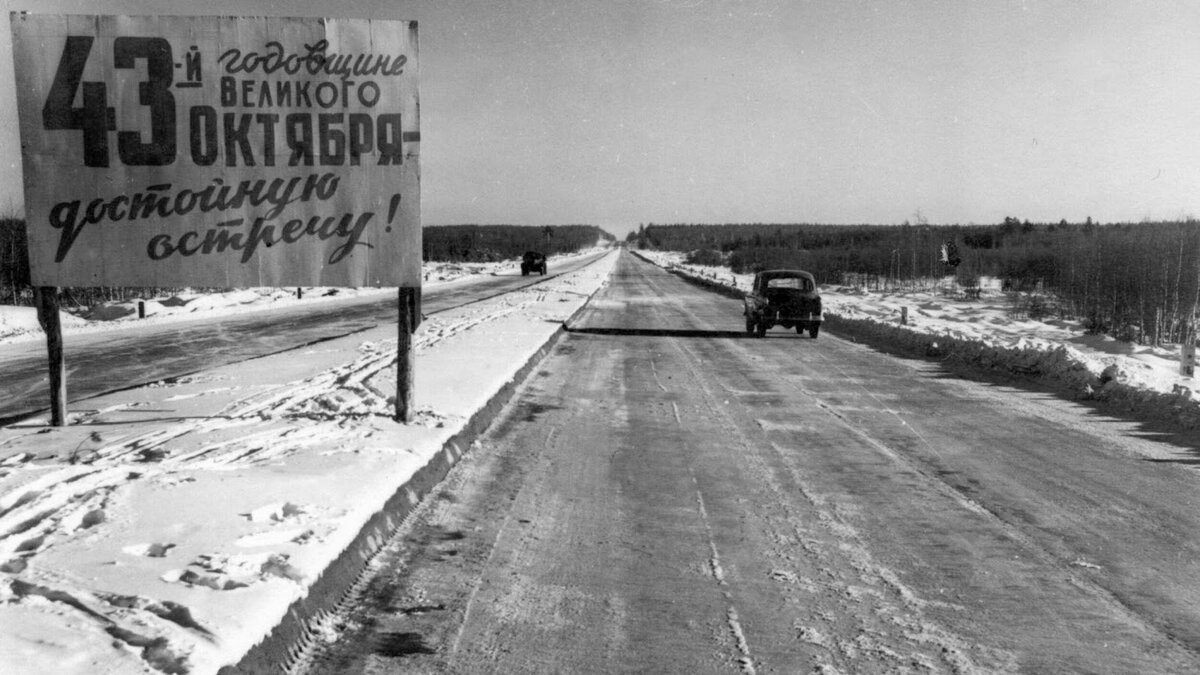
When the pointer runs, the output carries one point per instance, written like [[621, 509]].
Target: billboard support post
[[410, 318], [46, 298]]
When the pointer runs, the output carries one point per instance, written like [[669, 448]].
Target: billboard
[[219, 151]]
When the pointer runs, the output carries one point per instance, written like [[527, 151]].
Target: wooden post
[[410, 318], [903, 316], [1187, 359], [46, 298], [141, 309]]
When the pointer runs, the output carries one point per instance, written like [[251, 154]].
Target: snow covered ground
[[169, 527], [982, 332], [20, 323]]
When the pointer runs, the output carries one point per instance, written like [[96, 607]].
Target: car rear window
[[793, 282]]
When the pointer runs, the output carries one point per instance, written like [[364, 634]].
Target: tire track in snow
[[746, 660], [867, 598]]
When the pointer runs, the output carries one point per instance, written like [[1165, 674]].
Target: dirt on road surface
[[666, 495]]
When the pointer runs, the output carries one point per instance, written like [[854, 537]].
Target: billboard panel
[[219, 151]]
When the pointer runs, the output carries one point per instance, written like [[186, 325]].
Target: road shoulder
[[177, 525]]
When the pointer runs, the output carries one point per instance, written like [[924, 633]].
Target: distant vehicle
[[532, 262], [783, 298]]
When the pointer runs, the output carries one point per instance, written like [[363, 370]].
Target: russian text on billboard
[[219, 151]]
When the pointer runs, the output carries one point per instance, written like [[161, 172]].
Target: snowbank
[[19, 324], [23, 321], [173, 526], [981, 333]]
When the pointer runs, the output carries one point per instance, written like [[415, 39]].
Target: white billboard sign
[[219, 151]]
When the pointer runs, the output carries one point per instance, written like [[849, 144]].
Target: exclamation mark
[[395, 204]]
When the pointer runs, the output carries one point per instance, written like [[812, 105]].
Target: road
[[98, 363], [697, 501]]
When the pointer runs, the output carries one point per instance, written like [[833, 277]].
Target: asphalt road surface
[[112, 360], [698, 501]]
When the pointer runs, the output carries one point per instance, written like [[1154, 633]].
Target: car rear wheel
[[812, 331]]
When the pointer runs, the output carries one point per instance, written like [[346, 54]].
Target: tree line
[[489, 243], [449, 243], [14, 264], [1137, 281]]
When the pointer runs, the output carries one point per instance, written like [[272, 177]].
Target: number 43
[[95, 118]]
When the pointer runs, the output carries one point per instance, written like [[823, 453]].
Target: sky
[[625, 112]]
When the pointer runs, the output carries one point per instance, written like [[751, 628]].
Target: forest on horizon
[[448, 243], [1135, 281]]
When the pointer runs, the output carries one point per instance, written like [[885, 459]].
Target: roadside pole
[[410, 319], [46, 298]]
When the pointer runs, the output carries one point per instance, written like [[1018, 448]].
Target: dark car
[[532, 262], [783, 298]]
